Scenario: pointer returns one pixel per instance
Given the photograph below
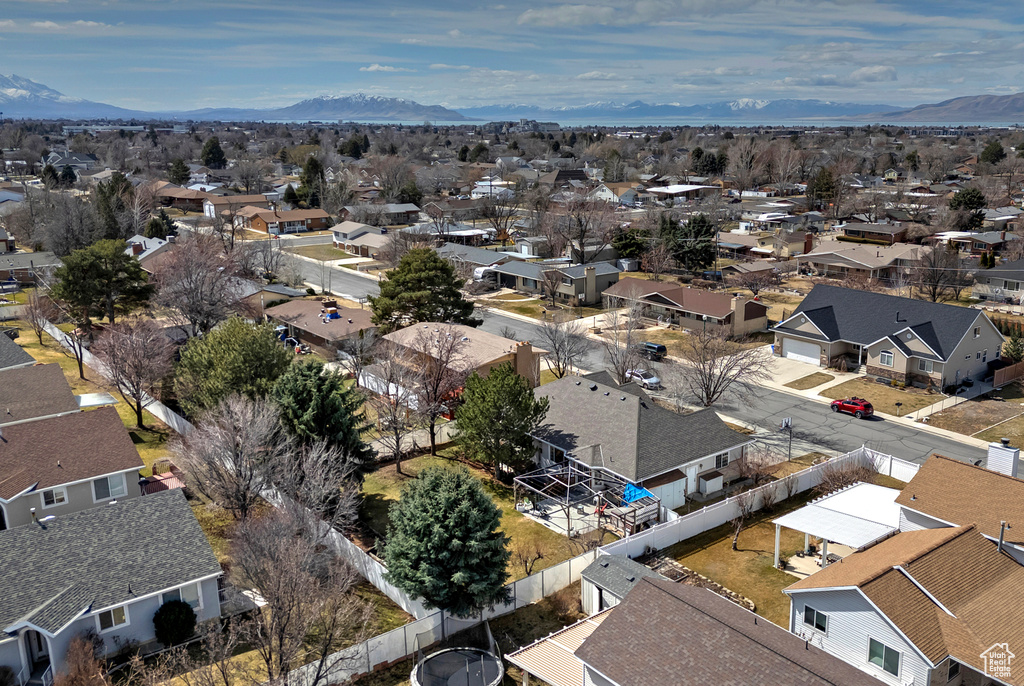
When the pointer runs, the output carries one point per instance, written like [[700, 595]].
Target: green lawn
[[382, 488], [882, 396], [810, 381], [324, 251]]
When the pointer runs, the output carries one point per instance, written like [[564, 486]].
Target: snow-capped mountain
[[361, 107], [23, 98]]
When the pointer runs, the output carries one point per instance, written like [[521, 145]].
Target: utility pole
[[787, 425]]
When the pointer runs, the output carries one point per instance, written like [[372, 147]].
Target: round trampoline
[[459, 667]]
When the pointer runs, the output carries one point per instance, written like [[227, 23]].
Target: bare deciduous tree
[[357, 352], [392, 398], [227, 456], [587, 227], [656, 260], [933, 273], [39, 309], [550, 282], [311, 607], [442, 369], [745, 502], [567, 344], [197, 284], [837, 476], [137, 355], [501, 213], [754, 282], [622, 339], [712, 364]]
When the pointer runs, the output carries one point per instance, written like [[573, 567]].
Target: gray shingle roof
[[600, 269], [617, 574], [12, 354], [470, 254], [862, 317], [54, 571], [34, 391], [605, 426]]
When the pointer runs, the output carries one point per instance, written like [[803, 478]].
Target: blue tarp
[[632, 493]]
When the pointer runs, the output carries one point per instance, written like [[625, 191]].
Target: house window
[[885, 358], [984, 355], [113, 617], [54, 497], [1011, 285], [925, 366], [954, 670], [977, 331], [188, 594], [721, 460], [883, 656], [815, 619], [977, 355], [109, 487]]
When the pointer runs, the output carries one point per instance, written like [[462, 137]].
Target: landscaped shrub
[[174, 622]]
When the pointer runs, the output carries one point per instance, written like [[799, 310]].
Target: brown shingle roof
[[305, 315], [981, 496], [664, 630], [37, 391], [86, 444], [972, 599], [237, 200]]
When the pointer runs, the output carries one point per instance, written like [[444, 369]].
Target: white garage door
[[801, 351]]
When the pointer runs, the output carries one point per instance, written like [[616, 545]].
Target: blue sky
[[182, 54]]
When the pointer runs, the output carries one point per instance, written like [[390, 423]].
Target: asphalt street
[[763, 407]]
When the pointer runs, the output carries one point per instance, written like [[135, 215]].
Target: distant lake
[[694, 122]]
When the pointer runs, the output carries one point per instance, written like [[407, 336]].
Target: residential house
[[561, 178], [387, 214], [788, 243], [1003, 218], [758, 266], [219, 205], [690, 308], [883, 262], [53, 466], [275, 222], [608, 429], [973, 243], [185, 199], [23, 267], [456, 210], [883, 234], [359, 239], [467, 234], [142, 247], [79, 161], [34, 392], [922, 607], [1000, 283], [320, 323], [12, 355], [103, 571], [480, 351], [672, 634], [911, 341], [581, 284], [622, 193], [983, 497], [10, 200], [499, 190], [467, 258], [533, 246], [682, 192]]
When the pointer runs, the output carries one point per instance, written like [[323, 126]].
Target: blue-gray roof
[[469, 254], [12, 354], [52, 572], [281, 289], [535, 270], [863, 317], [617, 574]]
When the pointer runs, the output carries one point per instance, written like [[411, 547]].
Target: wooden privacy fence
[[1007, 374]]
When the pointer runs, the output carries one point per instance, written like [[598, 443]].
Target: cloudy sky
[[181, 54]]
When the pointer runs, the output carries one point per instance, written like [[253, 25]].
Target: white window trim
[[881, 358], [42, 499], [115, 627], [926, 366], [199, 589], [885, 646], [812, 627], [721, 456], [108, 477]]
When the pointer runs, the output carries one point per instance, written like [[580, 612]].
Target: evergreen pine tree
[[422, 288]]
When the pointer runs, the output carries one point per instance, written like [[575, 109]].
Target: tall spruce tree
[[497, 416], [422, 288], [444, 545], [316, 405], [692, 243]]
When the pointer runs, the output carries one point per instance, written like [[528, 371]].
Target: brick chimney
[[136, 248], [739, 312], [808, 242], [526, 364]]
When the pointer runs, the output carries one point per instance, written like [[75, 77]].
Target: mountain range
[[22, 98]]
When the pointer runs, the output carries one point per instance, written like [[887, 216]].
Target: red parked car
[[858, 407]]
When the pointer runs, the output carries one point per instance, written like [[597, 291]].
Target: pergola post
[[824, 553], [778, 531], [807, 543]]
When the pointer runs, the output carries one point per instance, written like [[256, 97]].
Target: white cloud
[[91, 24], [383, 67], [48, 25], [6, 24], [597, 76], [460, 67], [873, 74], [455, 33]]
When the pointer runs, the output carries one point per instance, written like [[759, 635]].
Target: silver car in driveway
[[644, 377]]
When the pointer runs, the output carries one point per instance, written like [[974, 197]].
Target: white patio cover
[[552, 659], [856, 516]]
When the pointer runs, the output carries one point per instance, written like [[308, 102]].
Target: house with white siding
[[104, 571], [923, 607]]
